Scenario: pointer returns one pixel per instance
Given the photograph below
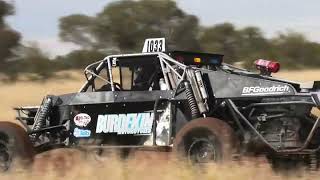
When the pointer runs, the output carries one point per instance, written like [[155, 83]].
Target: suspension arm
[[296, 150]]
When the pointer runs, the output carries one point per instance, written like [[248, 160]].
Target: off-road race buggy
[[187, 103]]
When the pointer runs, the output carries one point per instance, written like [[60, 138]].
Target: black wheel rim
[[5, 156], [202, 151]]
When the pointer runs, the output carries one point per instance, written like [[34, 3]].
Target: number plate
[[154, 45]]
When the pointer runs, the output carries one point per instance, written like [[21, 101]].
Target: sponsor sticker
[[82, 133], [82, 120], [257, 90], [134, 123]]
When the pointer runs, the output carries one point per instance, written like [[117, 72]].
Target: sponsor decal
[[257, 90], [83, 133], [134, 123], [82, 120]]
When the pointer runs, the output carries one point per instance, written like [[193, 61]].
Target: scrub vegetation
[[107, 33]]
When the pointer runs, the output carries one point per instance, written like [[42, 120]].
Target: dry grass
[[30, 93], [73, 166], [26, 93], [301, 76]]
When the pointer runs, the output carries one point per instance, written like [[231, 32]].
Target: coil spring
[[313, 165], [191, 100], [41, 116]]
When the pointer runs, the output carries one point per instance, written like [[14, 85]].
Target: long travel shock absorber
[[41, 116], [196, 93], [191, 101]]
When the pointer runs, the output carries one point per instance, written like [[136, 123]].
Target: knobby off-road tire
[[15, 146], [206, 140]]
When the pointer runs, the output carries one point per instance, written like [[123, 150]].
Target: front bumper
[[26, 115]]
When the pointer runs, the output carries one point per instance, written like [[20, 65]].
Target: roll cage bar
[[168, 65]]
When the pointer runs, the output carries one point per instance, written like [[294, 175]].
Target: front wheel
[[15, 145], [206, 140]]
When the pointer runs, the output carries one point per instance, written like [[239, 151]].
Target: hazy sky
[[37, 20]]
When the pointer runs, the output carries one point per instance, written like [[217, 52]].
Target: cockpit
[[145, 71]]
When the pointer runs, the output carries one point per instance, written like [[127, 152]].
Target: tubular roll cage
[[165, 62]]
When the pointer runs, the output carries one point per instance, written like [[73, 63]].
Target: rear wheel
[[206, 140], [15, 145], [203, 150]]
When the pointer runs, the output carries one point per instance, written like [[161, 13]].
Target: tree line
[[122, 26]]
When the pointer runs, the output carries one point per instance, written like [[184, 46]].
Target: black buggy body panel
[[115, 97], [113, 104], [227, 85]]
